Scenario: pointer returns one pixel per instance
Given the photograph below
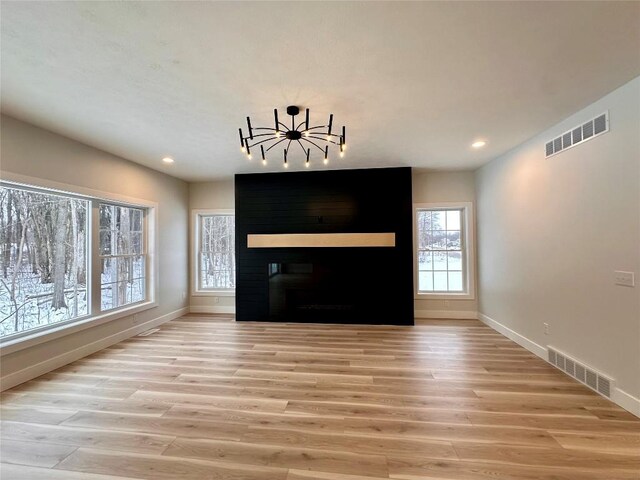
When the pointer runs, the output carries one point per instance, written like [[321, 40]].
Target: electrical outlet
[[546, 328], [625, 279], [216, 299]]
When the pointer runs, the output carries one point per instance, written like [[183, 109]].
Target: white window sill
[[214, 293], [15, 344], [444, 296]]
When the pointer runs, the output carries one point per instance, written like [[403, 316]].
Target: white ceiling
[[415, 83]]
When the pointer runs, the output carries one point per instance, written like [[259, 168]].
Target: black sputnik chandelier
[[306, 136]]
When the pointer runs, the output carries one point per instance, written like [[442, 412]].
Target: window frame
[[196, 217], [28, 338], [95, 207], [468, 253]]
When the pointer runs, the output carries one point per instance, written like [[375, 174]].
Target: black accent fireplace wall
[[325, 284]]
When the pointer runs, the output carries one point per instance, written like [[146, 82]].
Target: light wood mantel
[[321, 240]]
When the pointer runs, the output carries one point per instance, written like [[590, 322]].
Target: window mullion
[[94, 252]]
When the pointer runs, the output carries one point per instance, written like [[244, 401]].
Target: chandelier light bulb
[[277, 134], [341, 154], [242, 149], [306, 164], [306, 134], [264, 162], [249, 156], [286, 165], [326, 161], [328, 138]]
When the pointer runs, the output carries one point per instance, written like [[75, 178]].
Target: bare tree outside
[[217, 252], [43, 241], [440, 250], [122, 256]]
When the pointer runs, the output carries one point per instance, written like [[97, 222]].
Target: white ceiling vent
[[581, 372], [581, 133]]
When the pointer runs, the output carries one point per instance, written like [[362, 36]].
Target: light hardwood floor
[[208, 398]]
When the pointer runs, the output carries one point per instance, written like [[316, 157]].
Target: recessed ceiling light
[[479, 144], [167, 160]]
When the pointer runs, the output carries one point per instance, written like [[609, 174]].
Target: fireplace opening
[[312, 292]]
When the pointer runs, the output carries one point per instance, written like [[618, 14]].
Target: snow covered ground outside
[[33, 300]]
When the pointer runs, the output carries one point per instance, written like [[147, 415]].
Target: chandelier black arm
[[323, 139], [313, 143], [263, 141], [302, 146], [278, 142], [301, 123], [317, 126], [260, 135]]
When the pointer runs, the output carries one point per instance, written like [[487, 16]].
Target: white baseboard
[[516, 337], [211, 309], [626, 401], [619, 396], [454, 314], [46, 366]]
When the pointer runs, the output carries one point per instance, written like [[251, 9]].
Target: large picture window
[[216, 251], [47, 254], [442, 249], [43, 244]]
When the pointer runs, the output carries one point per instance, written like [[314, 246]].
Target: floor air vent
[[148, 332], [579, 134], [584, 374]]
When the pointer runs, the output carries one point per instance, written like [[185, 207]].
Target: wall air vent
[[581, 372], [581, 133]]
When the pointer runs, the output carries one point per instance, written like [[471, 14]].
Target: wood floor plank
[[156, 425], [83, 437], [301, 422], [317, 377], [587, 425], [54, 388], [156, 467], [35, 454], [22, 472], [64, 402], [375, 445], [545, 457], [424, 468], [593, 442], [308, 475], [381, 412], [34, 415], [251, 404], [277, 456], [451, 432]]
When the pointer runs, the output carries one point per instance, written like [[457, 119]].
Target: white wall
[[217, 195], [428, 187], [552, 232], [439, 187], [32, 152]]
